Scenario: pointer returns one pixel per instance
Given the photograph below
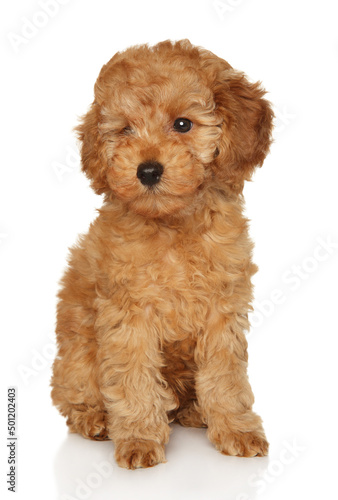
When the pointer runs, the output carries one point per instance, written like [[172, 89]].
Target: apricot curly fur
[[154, 304]]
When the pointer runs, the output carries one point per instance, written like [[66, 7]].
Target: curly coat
[[154, 304]]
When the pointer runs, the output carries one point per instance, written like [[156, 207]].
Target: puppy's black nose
[[149, 172]]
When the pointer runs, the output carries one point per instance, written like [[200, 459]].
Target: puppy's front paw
[[139, 453], [241, 444]]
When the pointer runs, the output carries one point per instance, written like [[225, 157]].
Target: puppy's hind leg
[[76, 398], [189, 415], [89, 421], [75, 390]]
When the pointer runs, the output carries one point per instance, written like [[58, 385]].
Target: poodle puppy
[[154, 303]]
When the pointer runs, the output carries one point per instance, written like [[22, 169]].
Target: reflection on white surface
[[194, 469]]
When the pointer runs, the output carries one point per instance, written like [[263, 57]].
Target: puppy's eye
[[182, 125], [127, 130]]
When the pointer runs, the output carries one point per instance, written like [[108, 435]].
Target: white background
[[47, 82]]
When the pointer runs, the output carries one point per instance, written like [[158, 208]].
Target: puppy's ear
[[246, 127], [92, 152]]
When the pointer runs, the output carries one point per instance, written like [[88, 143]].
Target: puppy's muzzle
[[149, 172]]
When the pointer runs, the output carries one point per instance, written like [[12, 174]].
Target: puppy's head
[[168, 121]]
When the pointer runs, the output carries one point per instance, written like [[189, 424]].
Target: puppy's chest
[[176, 290], [173, 281], [167, 272]]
